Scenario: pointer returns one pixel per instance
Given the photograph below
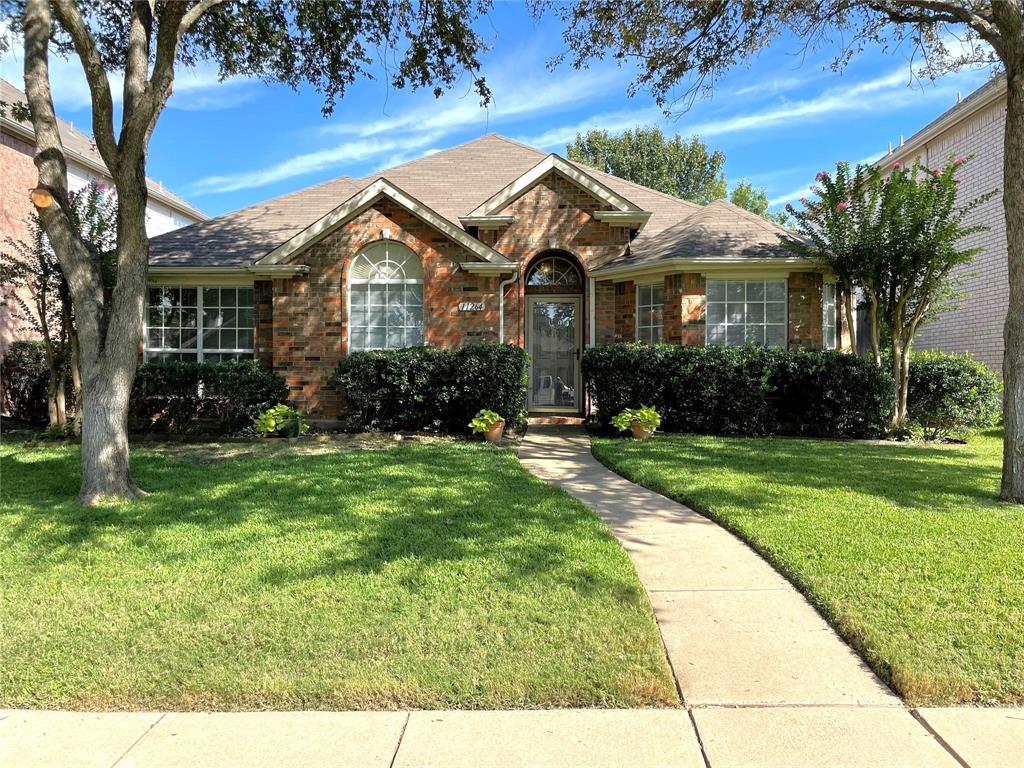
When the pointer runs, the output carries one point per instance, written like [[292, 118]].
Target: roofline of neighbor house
[[154, 189], [982, 98], [270, 270]]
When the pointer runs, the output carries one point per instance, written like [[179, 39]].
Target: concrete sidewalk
[[737, 737]]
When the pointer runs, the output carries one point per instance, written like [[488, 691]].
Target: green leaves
[[646, 416]]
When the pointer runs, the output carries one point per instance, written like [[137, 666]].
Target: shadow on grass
[[404, 511]]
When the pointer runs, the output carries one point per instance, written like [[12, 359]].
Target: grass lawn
[[428, 575], [906, 549]]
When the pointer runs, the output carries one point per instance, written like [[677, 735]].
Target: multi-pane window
[[196, 323], [650, 323], [746, 311], [385, 308], [828, 315]]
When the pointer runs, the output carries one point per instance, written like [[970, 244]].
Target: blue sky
[[779, 119]]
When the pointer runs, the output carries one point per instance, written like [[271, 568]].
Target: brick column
[[604, 311], [804, 310], [625, 311], [673, 309], [264, 297], [694, 309]]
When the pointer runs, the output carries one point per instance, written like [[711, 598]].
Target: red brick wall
[[625, 311], [555, 214], [684, 308], [804, 310], [604, 311], [17, 177], [309, 331]]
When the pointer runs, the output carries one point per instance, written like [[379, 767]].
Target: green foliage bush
[[951, 395], [213, 398], [645, 416], [281, 420], [741, 390], [425, 388], [24, 377]]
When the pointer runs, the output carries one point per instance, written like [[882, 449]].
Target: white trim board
[[358, 203], [493, 205]]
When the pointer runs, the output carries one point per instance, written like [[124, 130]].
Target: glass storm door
[[553, 341]]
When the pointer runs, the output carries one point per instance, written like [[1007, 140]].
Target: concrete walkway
[[765, 683]]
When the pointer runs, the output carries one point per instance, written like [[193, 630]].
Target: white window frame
[[829, 319], [149, 353], [649, 305], [351, 281], [745, 280]]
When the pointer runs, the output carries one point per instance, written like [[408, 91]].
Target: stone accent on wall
[[804, 302]]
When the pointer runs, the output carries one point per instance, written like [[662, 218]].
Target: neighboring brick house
[[974, 126], [489, 240], [164, 212]]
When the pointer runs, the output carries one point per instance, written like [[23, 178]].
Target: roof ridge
[[381, 173], [515, 143], [769, 226]]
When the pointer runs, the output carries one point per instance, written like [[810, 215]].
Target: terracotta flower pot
[[640, 432], [493, 435]]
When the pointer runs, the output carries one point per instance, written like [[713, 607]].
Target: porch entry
[[553, 340]]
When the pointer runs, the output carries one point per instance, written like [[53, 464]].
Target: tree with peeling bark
[[429, 43], [896, 239], [678, 42]]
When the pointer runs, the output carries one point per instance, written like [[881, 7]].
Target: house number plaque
[[471, 306]]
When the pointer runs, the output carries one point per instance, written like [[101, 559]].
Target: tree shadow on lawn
[[399, 512], [932, 478]]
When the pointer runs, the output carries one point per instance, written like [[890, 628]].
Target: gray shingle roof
[[80, 145], [453, 183]]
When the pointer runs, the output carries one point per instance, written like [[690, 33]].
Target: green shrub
[[425, 388], [951, 395], [741, 390], [24, 378], [214, 398], [281, 420]]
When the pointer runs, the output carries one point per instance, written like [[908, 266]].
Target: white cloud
[[357, 151], [610, 121]]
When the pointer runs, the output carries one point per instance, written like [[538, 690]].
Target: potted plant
[[489, 424], [640, 421]]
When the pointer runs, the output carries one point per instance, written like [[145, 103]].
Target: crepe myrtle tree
[[678, 42], [896, 239], [429, 43], [39, 298]]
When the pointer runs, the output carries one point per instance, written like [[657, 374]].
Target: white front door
[[553, 341]]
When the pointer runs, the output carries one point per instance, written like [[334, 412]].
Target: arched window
[[554, 270], [385, 308]]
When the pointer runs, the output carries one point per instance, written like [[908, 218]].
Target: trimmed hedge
[[25, 377], [431, 389], [741, 390], [208, 398], [951, 395]]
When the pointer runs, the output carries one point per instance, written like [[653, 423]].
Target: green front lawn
[[430, 575], [906, 549]]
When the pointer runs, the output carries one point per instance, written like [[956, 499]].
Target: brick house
[[974, 126], [489, 240], [164, 211]]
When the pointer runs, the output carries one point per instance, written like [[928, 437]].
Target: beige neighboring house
[[973, 126], [165, 211]]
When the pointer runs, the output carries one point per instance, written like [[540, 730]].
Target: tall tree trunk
[[850, 322], [897, 370], [1013, 330]]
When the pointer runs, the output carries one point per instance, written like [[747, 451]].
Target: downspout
[[501, 303]]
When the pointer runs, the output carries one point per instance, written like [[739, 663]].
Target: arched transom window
[[554, 270], [385, 309]]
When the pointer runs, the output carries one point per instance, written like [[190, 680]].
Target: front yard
[[426, 575], [906, 549]]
